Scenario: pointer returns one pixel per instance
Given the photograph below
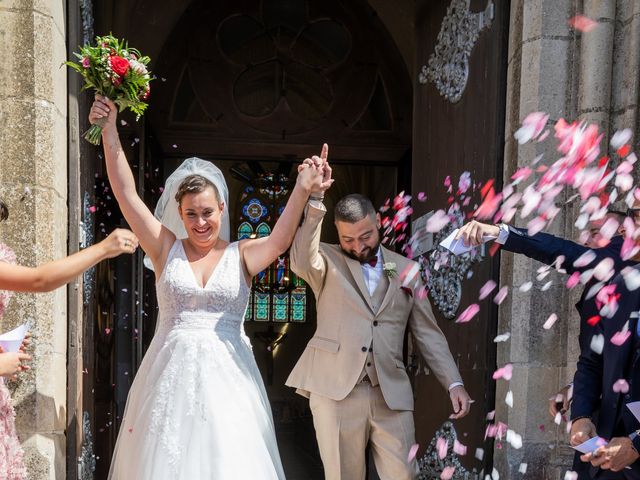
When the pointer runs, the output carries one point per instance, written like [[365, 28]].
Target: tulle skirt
[[197, 410]]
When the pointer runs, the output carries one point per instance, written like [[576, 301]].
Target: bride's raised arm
[[154, 238], [314, 176]]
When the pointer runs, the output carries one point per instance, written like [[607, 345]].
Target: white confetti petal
[[522, 468], [508, 399], [525, 287], [597, 343], [620, 138], [479, 453], [504, 337], [550, 321], [631, 278], [514, 439]]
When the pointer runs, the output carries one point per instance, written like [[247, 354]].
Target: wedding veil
[[167, 207]]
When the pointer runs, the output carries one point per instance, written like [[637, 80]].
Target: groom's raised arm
[[305, 257]]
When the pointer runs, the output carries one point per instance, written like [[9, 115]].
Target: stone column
[[33, 181], [540, 77]]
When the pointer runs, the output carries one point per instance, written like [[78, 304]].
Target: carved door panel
[[459, 108]]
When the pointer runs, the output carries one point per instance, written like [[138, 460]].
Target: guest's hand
[[119, 241], [472, 232], [560, 402], [461, 402], [103, 112], [25, 342], [615, 456], [11, 362], [581, 430]]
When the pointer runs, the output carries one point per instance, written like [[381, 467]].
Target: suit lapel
[[356, 273], [392, 286]]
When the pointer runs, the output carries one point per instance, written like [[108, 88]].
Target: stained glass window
[[277, 294]]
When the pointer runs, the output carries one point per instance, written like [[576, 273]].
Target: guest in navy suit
[[547, 248]]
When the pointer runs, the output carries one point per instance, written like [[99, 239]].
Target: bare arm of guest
[[52, 275]]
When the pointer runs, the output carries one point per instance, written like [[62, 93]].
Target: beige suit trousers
[[345, 427]]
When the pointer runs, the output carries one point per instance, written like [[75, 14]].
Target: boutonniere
[[407, 290], [389, 269]]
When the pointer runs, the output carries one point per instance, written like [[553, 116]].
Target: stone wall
[[33, 181], [591, 76]]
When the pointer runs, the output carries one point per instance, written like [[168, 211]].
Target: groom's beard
[[366, 255]]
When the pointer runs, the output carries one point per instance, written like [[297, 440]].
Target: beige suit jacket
[[348, 325]]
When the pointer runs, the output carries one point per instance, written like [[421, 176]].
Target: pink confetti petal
[[621, 386], [459, 448], [487, 288], [504, 372], [573, 280], [501, 295], [582, 23], [585, 259], [620, 337], [412, 452], [437, 221], [465, 182], [447, 473], [442, 445], [468, 313]]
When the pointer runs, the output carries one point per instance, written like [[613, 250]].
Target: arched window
[[277, 294]]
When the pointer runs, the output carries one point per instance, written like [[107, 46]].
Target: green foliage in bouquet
[[118, 72]]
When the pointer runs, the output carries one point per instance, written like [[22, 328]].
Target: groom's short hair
[[353, 208]]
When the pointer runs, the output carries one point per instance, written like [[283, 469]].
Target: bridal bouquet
[[116, 71]]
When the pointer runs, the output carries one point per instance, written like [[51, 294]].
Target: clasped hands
[[315, 173]]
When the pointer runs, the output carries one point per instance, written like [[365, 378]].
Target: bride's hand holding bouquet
[[117, 72]]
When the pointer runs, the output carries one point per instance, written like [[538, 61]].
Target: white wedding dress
[[197, 409]]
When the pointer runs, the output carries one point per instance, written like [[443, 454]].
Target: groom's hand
[[461, 402]]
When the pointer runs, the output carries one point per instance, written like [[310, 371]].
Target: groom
[[352, 369]]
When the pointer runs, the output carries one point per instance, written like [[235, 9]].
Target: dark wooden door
[[451, 137]]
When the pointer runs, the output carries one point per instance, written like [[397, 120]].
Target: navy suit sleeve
[[546, 248], [587, 381]]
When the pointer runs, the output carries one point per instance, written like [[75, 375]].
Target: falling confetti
[[504, 372], [442, 445], [487, 288], [621, 386], [412, 452], [550, 321], [501, 295], [447, 473], [468, 313], [597, 343], [502, 338], [509, 399]]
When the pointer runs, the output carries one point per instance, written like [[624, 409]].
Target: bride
[[197, 408]]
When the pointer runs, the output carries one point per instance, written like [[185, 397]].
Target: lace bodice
[[220, 305]]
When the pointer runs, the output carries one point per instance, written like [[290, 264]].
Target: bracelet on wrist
[[318, 198]]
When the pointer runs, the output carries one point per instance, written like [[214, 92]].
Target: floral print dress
[[11, 454]]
